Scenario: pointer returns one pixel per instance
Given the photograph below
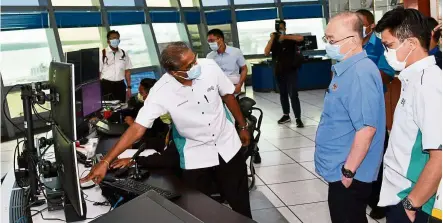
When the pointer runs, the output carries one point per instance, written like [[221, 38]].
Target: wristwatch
[[347, 173], [245, 127], [407, 204], [129, 87]]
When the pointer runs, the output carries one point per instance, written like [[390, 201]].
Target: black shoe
[[257, 158], [299, 123], [377, 213], [284, 119]]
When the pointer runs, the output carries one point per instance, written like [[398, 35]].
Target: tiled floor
[[288, 189]]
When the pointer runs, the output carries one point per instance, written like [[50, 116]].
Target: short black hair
[[406, 23], [281, 21], [112, 32], [216, 32], [147, 83], [171, 56], [368, 14], [432, 23]]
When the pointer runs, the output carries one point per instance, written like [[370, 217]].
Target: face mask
[[391, 58], [140, 97], [114, 42], [213, 46], [333, 51], [282, 32], [364, 32], [193, 73]]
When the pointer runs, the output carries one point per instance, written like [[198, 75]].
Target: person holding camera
[[287, 59]]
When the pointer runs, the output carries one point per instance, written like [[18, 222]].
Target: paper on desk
[[130, 152]]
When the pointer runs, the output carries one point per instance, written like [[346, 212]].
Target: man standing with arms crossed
[[350, 136], [412, 163]]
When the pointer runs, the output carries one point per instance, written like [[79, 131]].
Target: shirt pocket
[[121, 64]]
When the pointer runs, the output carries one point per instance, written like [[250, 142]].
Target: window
[[241, 2], [72, 2], [214, 2], [226, 28], [132, 41], [19, 3], [254, 35], [189, 3], [338, 6], [168, 32], [296, 0], [314, 26], [25, 59], [80, 38], [15, 104], [118, 3], [162, 3], [196, 40]]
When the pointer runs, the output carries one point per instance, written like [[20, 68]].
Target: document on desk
[[130, 152]]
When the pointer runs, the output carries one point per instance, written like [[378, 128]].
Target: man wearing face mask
[[374, 48], [412, 164], [230, 59], [350, 136], [195, 93], [114, 69], [287, 59]]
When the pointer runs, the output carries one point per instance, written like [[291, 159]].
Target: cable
[[20, 219], [116, 203], [13, 163], [4, 109]]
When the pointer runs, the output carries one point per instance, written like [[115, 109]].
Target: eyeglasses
[[325, 39], [190, 65]]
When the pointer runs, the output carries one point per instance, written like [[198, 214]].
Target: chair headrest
[[246, 104]]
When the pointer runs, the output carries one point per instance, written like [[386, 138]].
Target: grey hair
[[171, 56], [352, 21]]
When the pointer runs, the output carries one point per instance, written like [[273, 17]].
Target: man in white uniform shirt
[[413, 162], [192, 92], [114, 69]]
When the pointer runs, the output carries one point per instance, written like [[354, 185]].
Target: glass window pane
[[226, 28], [314, 26], [338, 6], [80, 38], [214, 2], [72, 2], [189, 3], [16, 106], [132, 41], [254, 35], [162, 3], [296, 0], [240, 2], [119, 3], [166, 33], [196, 40], [24, 59], [19, 3]]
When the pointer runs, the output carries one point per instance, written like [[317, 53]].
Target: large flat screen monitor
[[136, 78], [86, 63], [61, 81], [91, 98]]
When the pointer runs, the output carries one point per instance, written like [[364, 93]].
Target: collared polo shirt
[[230, 62], [201, 127], [353, 101], [416, 129], [115, 64], [375, 50]]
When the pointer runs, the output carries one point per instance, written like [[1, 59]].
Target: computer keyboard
[[135, 188]]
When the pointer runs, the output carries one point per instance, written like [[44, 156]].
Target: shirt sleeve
[[384, 66], [240, 59], [225, 85], [128, 63], [364, 101], [150, 111], [427, 114], [100, 57]]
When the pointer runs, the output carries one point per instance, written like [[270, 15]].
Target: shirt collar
[[176, 85], [372, 40], [340, 67], [108, 49], [416, 67], [228, 50]]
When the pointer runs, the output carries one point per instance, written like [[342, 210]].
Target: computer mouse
[[87, 185]]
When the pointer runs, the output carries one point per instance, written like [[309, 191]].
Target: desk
[[196, 203]]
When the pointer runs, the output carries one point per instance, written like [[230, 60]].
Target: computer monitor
[[61, 81], [66, 162], [91, 98], [310, 43], [86, 63], [136, 78]]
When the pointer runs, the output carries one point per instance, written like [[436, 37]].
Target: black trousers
[[348, 205], [287, 84], [376, 186], [397, 214], [113, 90], [231, 180]]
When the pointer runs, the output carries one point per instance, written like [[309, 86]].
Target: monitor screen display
[[136, 78], [91, 98]]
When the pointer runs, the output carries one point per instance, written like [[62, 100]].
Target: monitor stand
[[70, 213]]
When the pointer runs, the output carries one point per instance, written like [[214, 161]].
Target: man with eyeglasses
[[193, 92], [412, 167], [350, 136]]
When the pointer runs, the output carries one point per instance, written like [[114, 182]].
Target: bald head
[[345, 24]]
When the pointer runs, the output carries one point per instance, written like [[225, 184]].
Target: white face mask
[[391, 58], [364, 32]]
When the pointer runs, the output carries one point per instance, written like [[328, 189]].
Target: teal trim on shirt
[[180, 142]]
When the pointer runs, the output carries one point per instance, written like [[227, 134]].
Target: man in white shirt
[[412, 163], [192, 92], [114, 69], [230, 59]]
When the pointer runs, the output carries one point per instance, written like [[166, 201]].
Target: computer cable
[[20, 219], [4, 109], [116, 203]]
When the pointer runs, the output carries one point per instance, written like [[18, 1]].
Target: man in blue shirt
[[375, 50], [436, 35], [350, 136]]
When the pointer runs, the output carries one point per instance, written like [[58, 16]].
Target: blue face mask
[[213, 46], [194, 72], [333, 51], [114, 42]]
